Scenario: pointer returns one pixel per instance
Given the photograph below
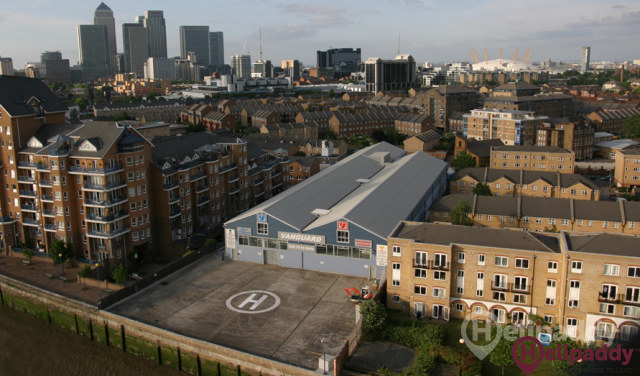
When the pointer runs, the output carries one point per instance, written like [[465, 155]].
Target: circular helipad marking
[[254, 300]]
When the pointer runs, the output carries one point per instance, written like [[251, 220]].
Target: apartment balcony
[[47, 198], [32, 165], [174, 199], [202, 188], [276, 185], [233, 178], [29, 208], [202, 201], [228, 168], [49, 227], [104, 188], [258, 182], [233, 190], [259, 193], [108, 234], [48, 213], [27, 193], [26, 179], [106, 219], [170, 186], [95, 171], [45, 183], [174, 213], [276, 173], [105, 203], [30, 222], [198, 177], [608, 298], [431, 264]]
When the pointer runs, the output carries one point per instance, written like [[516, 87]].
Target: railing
[[174, 199], [170, 186], [38, 166], [110, 202], [49, 227], [515, 288], [30, 222], [108, 234], [201, 188], [228, 168], [46, 197], [233, 191], [29, 207], [233, 178], [259, 193], [26, 179], [102, 171], [48, 213], [202, 201], [45, 182], [431, 264], [27, 193], [258, 182], [104, 187], [616, 299], [110, 218], [174, 213], [198, 177]]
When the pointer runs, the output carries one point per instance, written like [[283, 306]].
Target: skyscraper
[[6, 66], [345, 60], [216, 47], [262, 69], [93, 47], [241, 66], [156, 33], [195, 39], [389, 75], [586, 57], [134, 39], [104, 16]]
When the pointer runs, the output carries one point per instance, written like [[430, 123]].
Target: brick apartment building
[[627, 167], [586, 283], [515, 183], [510, 126], [542, 214], [578, 138], [532, 158], [521, 96], [302, 168]]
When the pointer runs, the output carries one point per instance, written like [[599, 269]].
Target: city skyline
[[425, 29]]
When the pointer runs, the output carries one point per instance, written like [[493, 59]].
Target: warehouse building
[[338, 220]]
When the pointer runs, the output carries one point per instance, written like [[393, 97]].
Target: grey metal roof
[[605, 244], [445, 234], [396, 182]]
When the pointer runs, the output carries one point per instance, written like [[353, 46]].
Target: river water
[[31, 346]]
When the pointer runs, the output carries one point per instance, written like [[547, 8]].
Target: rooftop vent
[[320, 212], [362, 181]]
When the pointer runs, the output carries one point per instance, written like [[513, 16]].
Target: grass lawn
[[452, 338]]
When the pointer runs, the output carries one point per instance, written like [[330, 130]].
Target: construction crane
[[501, 56], [526, 55], [260, 32], [486, 59], [515, 56], [475, 55]]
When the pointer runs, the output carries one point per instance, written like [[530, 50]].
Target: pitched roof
[[605, 244], [482, 149], [445, 234], [16, 92]]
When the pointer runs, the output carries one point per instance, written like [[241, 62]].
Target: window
[[459, 307], [501, 261], [420, 259], [420, 273], [499, 296], [461, 257], [263, 229], [419, 290], [607, 308], [610, 269], [439, 292], [500, 281], [519, 298], [633, 272], [478, 309], [439, 275], [396, 250], [522, 263], [520, 283], [628, 332], [551, 292], [480, 259], [440, 260], [129, 161], [573, 303], [552, 267], [343, 236], [395, 298], [395, 274], [630, 311], [576, 266], [632, 295]]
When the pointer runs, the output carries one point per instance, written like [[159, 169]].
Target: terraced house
[[586, 283], [515, 183], [532, 158], [543, 214]]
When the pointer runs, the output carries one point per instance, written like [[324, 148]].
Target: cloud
[[318, 16], [618, 6]]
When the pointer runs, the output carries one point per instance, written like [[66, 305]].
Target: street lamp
[[461, 340], [324, 355], [99, 292], [61, 268]]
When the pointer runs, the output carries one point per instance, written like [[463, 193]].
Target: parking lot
[[275, 312]]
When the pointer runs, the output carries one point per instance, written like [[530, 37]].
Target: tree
[[374, 316], [482, 190], [81, 103], [460, 214], [120, 274], [463, 160], [631, 127], [501, 355], [59, 247], [27, 253], [84, 273]]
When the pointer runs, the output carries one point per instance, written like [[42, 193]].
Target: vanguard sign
[[296, 237]]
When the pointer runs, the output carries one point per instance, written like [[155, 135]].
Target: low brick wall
[[205, 350]]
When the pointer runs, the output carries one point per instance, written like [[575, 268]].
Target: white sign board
[[381, 255], [230, 237], [297, 237], [301, 247]]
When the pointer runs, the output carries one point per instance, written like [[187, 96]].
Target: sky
[[430, 30]]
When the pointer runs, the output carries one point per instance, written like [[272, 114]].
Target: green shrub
[[374, 316], [120, 274]]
